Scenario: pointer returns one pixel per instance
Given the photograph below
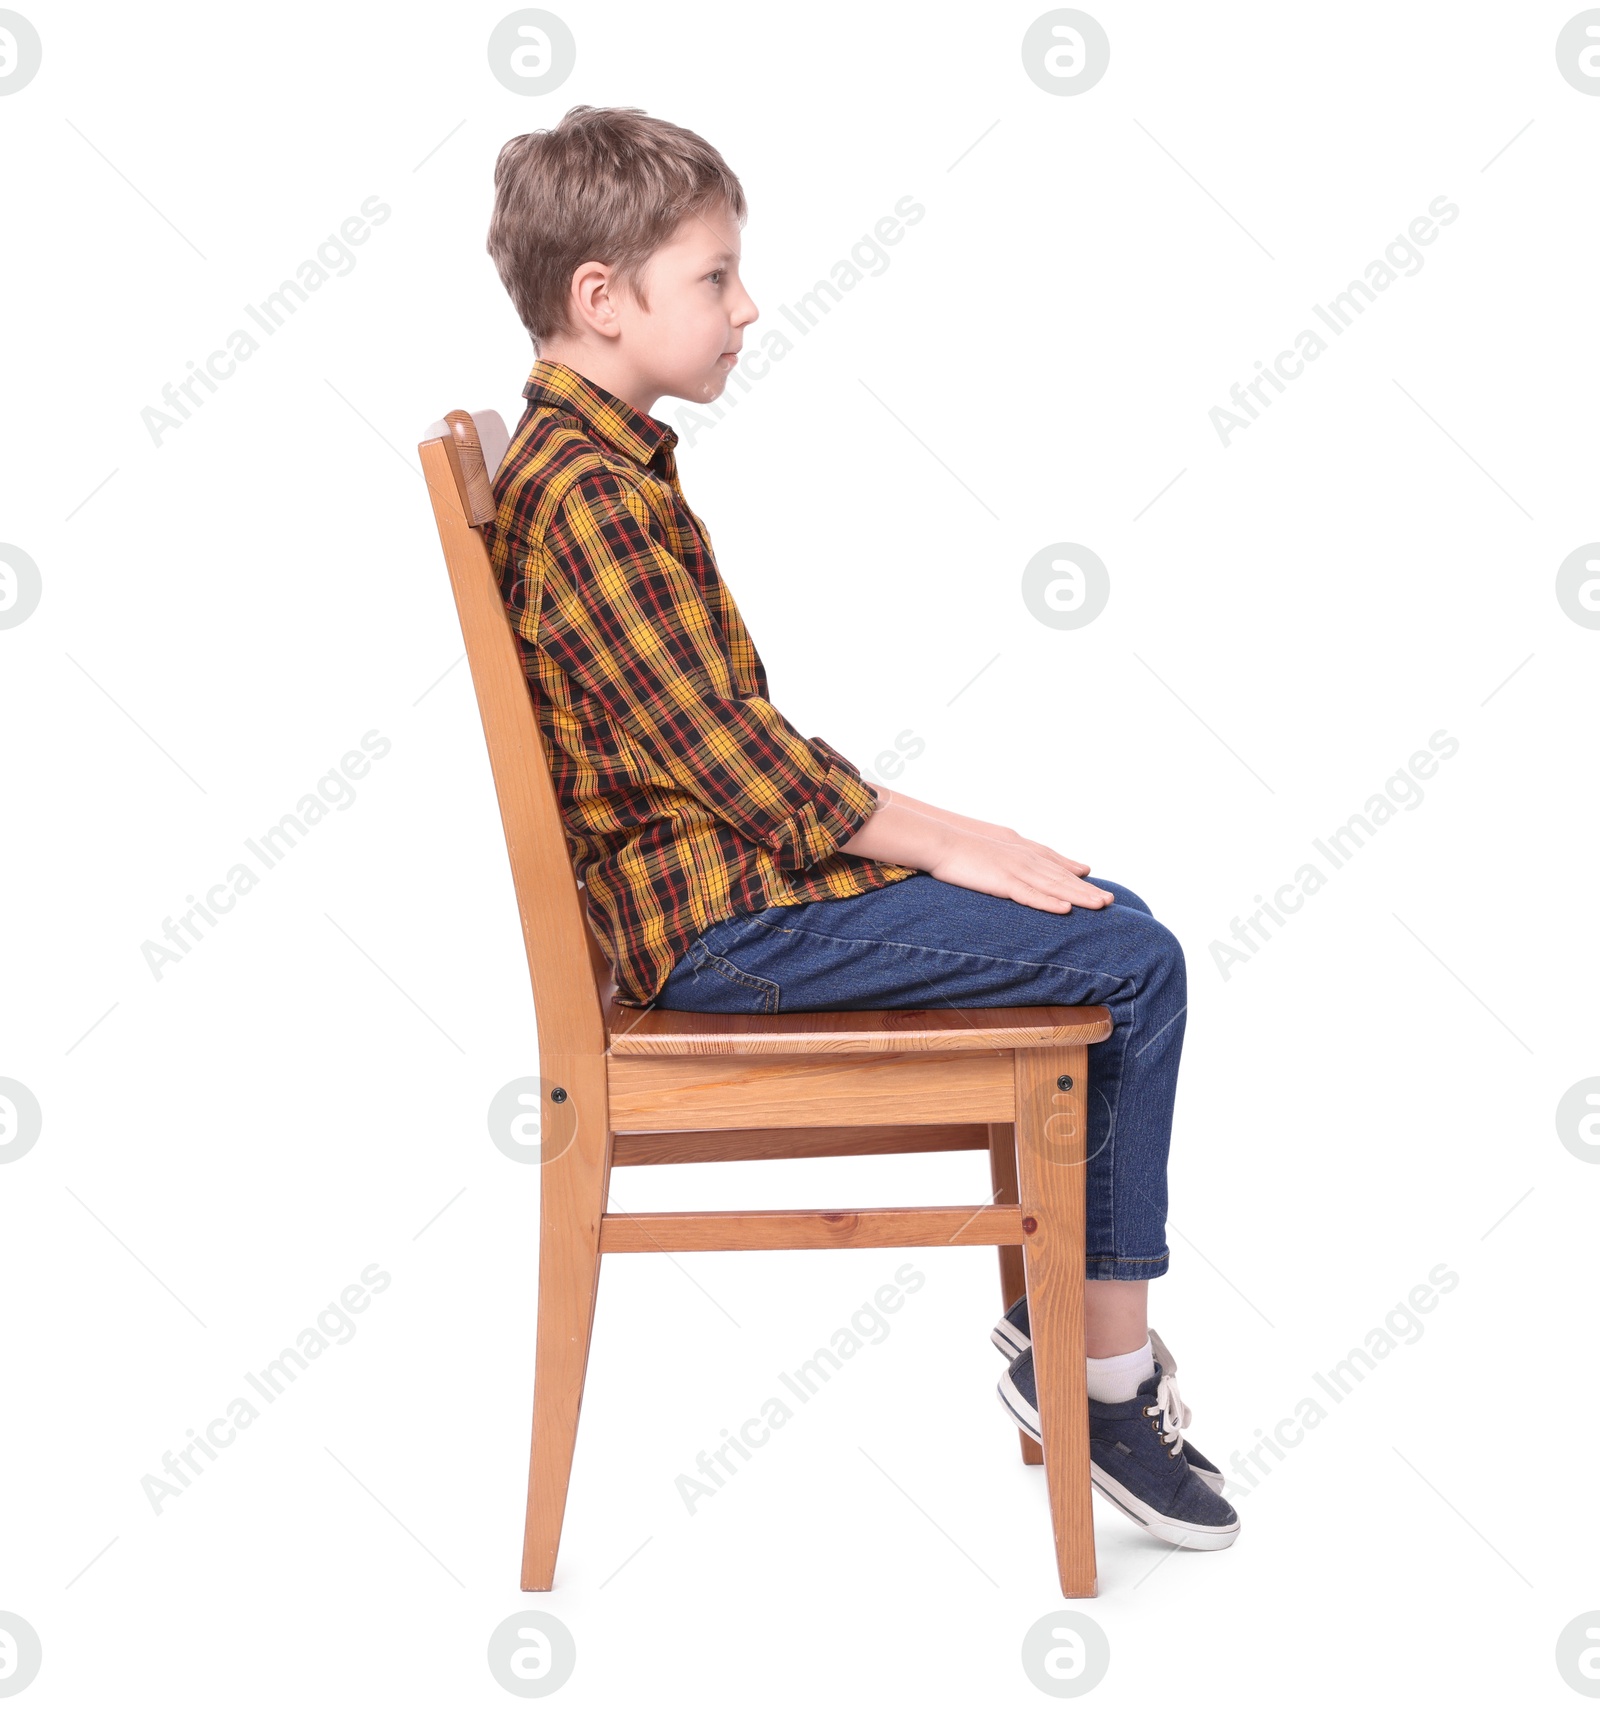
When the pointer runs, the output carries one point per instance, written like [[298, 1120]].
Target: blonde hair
[[608, 184]]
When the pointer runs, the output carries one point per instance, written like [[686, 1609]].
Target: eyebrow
[[721, 260]]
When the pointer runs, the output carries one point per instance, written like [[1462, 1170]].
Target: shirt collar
[[611, 419]]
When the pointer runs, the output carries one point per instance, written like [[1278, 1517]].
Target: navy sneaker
[[1136, 1459], [1011, 1336]]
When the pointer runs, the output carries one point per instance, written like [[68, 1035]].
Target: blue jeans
[[920, 943]]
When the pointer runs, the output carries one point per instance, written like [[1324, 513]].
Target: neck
[[607, 368]]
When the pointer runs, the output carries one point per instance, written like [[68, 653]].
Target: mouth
[[729, 356]]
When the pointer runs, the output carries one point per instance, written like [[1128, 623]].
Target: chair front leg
[[1051, 1155]]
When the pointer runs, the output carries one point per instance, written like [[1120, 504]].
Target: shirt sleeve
[[625, 620]]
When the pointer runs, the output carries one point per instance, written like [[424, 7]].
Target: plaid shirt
[[686, 795]]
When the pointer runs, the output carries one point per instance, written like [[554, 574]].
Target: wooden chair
[[626, 1086]]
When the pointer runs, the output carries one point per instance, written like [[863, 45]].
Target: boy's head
[[617, 237]]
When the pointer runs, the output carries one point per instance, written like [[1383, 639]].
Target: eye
[[716, 274]]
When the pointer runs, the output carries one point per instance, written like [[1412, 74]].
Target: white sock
[[1119, 1377]]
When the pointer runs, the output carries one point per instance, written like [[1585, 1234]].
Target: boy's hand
[[1013, 867], [1001, 833], [977, 827]]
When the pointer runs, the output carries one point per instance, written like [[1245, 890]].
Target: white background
[[1371, 1095]]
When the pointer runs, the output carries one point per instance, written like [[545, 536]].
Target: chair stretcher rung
[[762, 1231], [726, 1145]]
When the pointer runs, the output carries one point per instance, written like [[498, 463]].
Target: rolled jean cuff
[[1098, 1268]]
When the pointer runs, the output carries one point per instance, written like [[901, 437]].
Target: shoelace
[[1172, 1412]]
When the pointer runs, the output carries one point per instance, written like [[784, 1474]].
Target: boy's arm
[[617, 610]]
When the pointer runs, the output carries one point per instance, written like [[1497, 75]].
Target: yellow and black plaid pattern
[[686, 795]]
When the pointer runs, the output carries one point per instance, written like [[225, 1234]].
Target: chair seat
[[835, 1032]]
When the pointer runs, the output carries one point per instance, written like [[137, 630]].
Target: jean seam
[[934, 949], [1122, 1270]]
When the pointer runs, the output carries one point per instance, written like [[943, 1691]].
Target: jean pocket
[[714, 984]]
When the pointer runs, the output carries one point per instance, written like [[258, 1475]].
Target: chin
[[706, 388]]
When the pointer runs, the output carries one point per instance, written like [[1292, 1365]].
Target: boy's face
[[684, 344]]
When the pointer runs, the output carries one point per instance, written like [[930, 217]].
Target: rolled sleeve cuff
[[832, 816]]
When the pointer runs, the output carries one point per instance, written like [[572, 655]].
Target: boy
[[733, 865]]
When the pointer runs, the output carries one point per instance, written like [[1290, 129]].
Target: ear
[[593, 295]]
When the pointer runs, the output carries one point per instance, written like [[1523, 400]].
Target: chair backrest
[[571, 976]]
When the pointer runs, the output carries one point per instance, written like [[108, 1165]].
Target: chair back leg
[[1013, 1280], [574, 1170]]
